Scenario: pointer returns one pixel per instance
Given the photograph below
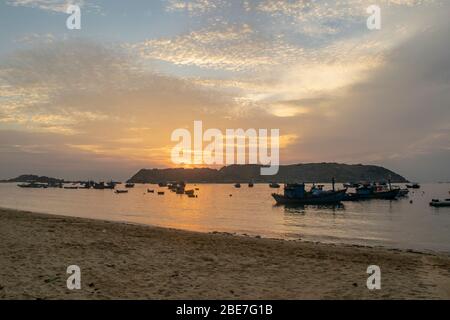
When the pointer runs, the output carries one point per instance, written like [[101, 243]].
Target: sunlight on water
[[252, 211]]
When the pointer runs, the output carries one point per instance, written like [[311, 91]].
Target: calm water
[[397, 223]]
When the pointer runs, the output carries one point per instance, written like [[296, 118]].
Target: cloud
[[227, 47], [194, 7]]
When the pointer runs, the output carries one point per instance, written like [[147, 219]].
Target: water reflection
[[301, 209]]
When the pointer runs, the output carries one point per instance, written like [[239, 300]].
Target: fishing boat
[[190, 192], [33, 185], [351, 185], [150, 191], [71, 188], [99, 186], [413, 186], [438, 203], [129, 185], [161, 193], [121, 191], [373, 192], [237, 185], [296, 194], [251, 185], [274, 185]]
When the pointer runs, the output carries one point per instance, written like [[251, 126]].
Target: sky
[[102, 102]]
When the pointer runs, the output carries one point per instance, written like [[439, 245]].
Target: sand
[[123, 261]]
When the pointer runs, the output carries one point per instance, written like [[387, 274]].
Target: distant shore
[[124, 261]]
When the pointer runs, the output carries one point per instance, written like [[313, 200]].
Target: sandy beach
[[123, 261]]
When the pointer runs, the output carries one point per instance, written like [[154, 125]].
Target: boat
[[296, 194], [373, 192], [150, 191], [99, 186], [121, 191], [33, 185], [71, 188], [438, 203], [413, 186], [162, 184], [190, 192], [237, 185], [129, 185], [160, 193], [274, 185], [351, 185], [251, 185]]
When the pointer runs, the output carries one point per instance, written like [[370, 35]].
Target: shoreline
[[121, 260]]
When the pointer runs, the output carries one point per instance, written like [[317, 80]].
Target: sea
[[407, 223]]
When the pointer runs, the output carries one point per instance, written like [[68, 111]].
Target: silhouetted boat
[[351, 185], [33, 185], [150, 191], [160, 193], [251, 185], [121, 191], [129, 185], [439, 203], [274, 185], [295, 194], [413, 186], [373, 192], [190, 192], [71, 188], [99, 186], [237, 185]]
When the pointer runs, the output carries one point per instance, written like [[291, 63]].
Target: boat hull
[[332, 198], [440, 204]]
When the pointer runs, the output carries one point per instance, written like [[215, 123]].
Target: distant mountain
[[34, 178], [312, 172]]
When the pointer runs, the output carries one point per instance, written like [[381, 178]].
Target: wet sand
[[124, 261]]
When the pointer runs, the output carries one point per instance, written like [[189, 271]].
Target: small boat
[[129, 185], [413, 186], [237, 185], [296, 194], [274, 186], [438, 203], [161, 193], [251, 185], [71, 188], [190, 192], [150, 191], [99, 186], [33, 185], [351, 185], [121, 191]]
